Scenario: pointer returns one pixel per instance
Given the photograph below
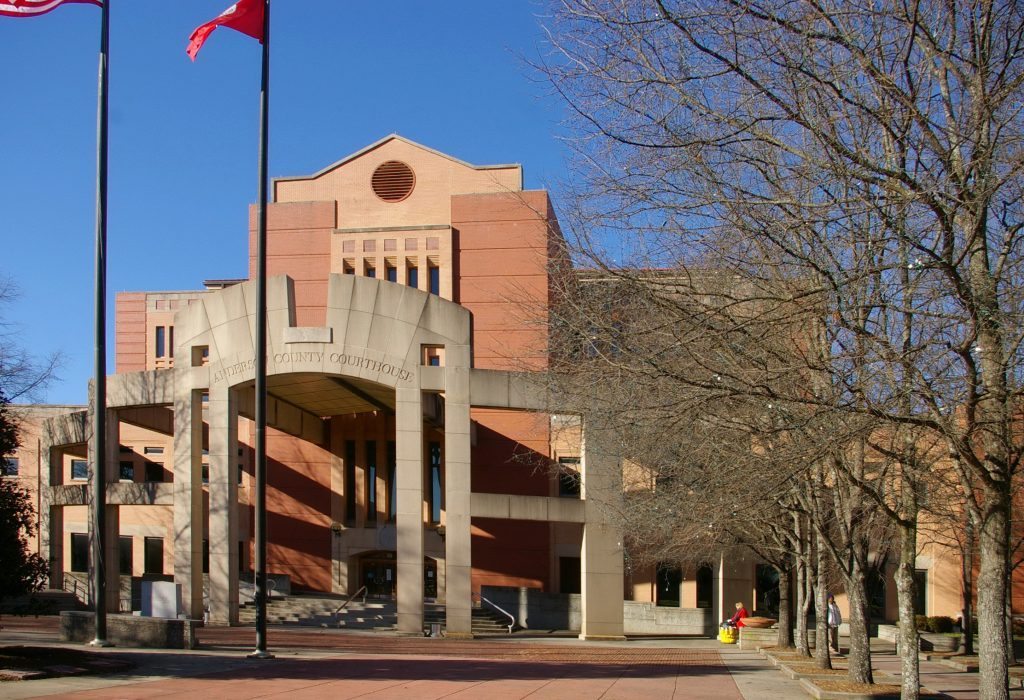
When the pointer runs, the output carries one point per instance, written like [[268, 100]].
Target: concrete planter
[[131, 630]]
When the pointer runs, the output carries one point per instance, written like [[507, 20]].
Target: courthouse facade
[[407, 450]]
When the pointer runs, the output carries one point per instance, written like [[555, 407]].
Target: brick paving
[[339, 665]]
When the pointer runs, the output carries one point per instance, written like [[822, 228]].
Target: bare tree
[[867, 153]]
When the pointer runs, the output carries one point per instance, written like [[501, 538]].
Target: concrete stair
[[305, 610]]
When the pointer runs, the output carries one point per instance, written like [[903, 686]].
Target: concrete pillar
[[409, 453], [188, 498], [112, 527], [51, 517], [458, 561], [601, 553], [222, 416]]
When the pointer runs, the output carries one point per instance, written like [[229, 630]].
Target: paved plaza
[[340, 665]]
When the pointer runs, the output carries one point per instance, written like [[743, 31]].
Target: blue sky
[[183, 136]]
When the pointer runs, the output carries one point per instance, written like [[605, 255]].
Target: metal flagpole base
[[260, 655], [100, 643]]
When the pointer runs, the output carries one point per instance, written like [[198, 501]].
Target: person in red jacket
[[737, 619]]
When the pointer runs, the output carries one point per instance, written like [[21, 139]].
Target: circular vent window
[[393, 181]]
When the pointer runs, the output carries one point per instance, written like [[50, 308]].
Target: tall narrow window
[[371, 481], [170, 341], [392, 486], [125, 555], [435, 279], [435, 482], [79, 551], [350, 482], [391, 273], [154, 555], [160, 342], [412, 277]]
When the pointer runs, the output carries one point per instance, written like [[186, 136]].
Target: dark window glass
[[79, 469], [371, 481], [206, 473], [392, 273], [154, 559], [79, 552], [9, 466], [350, 482], [568, 477], [206, 556], [153, 450], [160, 342], [569, 574], [170, 341], [435, 482], [412, 275], [125, 555], [920, 591], [371, 272], [154, 471], [435, 279], [434, 360], [392, 482], [127, 471]]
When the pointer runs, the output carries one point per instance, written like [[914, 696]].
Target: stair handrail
[[500, 609], [362, 589], [74, 587], [271, 587]]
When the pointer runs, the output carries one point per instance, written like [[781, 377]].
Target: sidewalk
[[340, 665], [313, 663]]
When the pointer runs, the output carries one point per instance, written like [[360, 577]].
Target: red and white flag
[[244, 16], [31, 8]]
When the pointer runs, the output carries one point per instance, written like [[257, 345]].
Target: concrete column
[[188, 498], [51, 517], [112, 527], [222, 416], [601, 553], [409, 453], [458, 561]]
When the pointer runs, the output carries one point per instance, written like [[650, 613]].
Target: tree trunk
[[802, 559], [993, 545], [909, 642], [860, 649], [785, 638], [822, 652], [967, 584], [1011, 657]]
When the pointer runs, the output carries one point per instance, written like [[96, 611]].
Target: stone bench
[[131, 630]]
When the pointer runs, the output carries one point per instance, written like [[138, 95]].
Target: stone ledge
[[131, 630]]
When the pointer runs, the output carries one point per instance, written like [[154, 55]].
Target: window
[[371, 481], [127, 471], [569, 578], [412, 277], [153, 450], [154, 555], [170, 341], [391, 273], [435, 279], [371, 272], [154, 471], [241, 469], [125, 555], [432, 355], [79, 469], [161, 342], [392, 483], [200, 355], [9, 466], [206, 473], [350, 481], [436, 495], [920, 591], [568, 477], [206, 556], [348, 267], [79, 551]]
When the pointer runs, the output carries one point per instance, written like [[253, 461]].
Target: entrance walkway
[[341, 665]]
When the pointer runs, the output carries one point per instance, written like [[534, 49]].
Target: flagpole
[[99, 394], [261, 355]]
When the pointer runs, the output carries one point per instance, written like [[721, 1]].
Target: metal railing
[[251, 593], [506, 613], [337, 611]]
